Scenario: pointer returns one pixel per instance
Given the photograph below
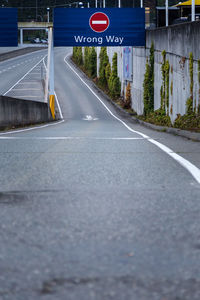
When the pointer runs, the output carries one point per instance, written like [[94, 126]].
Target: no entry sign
[[99, 22], [99, 27]]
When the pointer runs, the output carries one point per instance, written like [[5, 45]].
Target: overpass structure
[[32, 26]]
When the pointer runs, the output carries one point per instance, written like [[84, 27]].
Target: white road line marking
[[22, 78], [58, 104], [20, 89], [192, 169], [31, 128], [36, 127], [27, 82], [90, 118], [67, 138], [28, 96]]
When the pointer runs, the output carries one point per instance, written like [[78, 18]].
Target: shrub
[[92, 63], [148, 84], [114, 83], [108, 72], [102, 67], [158, 117], [78, 55], [191, 121], [127, 103], [86, 58]]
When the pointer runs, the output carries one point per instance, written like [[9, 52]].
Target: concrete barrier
[[17, 112]]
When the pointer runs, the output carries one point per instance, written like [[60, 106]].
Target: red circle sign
[[99, 22]]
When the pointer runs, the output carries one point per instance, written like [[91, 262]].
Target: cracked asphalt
[[90, 210]]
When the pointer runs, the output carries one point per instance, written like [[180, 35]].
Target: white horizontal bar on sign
[[99, 22]]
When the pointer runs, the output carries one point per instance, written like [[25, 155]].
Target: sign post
[[49, 84]]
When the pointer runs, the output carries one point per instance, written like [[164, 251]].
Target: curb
[[195, 136]]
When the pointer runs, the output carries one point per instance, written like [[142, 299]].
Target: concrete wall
[[16, 112], [178, 41]]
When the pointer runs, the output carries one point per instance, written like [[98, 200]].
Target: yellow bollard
[[52, 105]]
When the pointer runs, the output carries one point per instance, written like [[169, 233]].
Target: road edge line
[[191, 168], [31, 128]]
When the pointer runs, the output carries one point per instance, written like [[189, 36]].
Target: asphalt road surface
[[21, 77], [97, 206]]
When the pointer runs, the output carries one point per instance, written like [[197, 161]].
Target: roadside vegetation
[[108, 79], [189, 121], [109, 82]]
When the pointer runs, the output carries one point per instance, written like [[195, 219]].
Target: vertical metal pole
[[49, 84], [21, 37], [88, 4], [50, 75], [167, 12], [104, 3], [48, 65], [141, 3], [119, 3], [96, 3], [193, 10]]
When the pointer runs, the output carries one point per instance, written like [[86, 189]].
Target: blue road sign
[[99, 27], [127, 63], [8, 27]]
